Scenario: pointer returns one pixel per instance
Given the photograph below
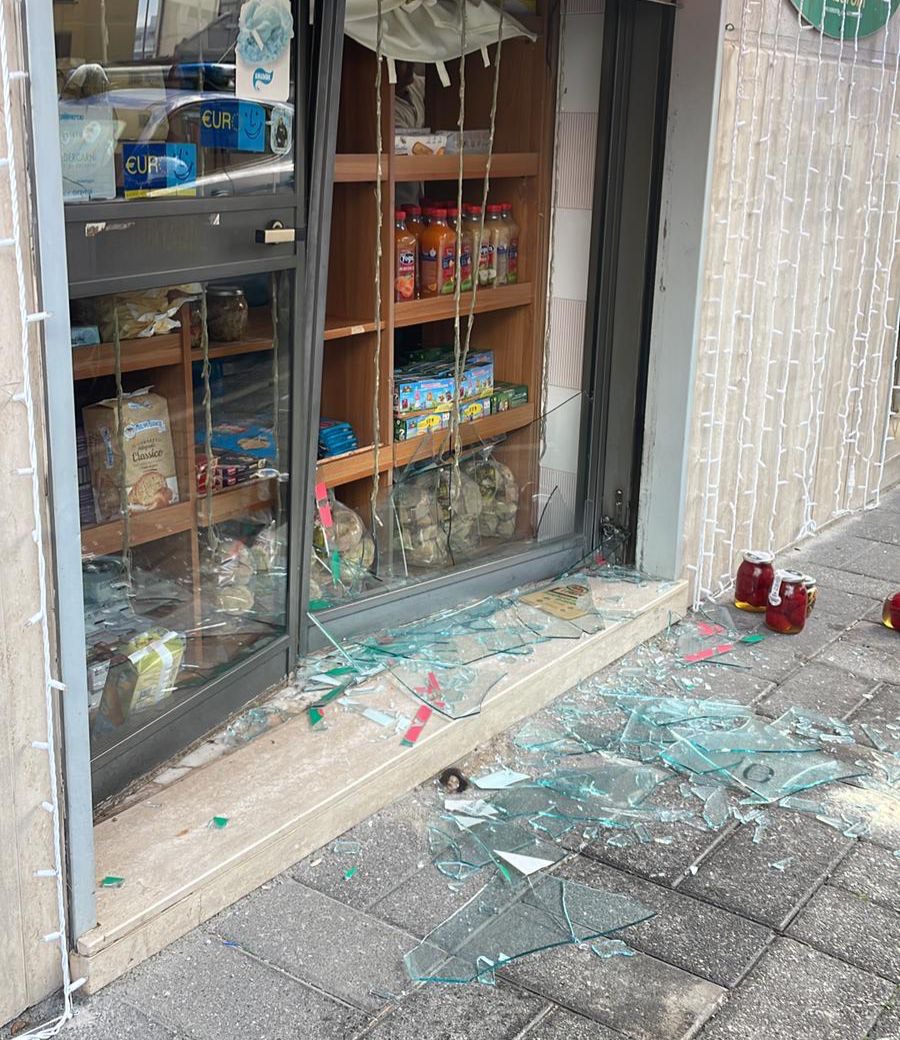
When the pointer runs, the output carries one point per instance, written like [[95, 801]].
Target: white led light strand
[[47, 745]]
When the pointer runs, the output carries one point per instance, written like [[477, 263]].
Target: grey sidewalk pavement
[[737, 950]]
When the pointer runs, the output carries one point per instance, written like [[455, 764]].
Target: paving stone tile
[[208, 990], [861, 660], [888, 1025], [664, 863], [879, 560], [879, 526], [842, 606], [797, 993], [424, 899], [853, 929], [874, 589], [839, 547], [564, 1025], [879, 709], [723, 683], [338, 949], [879, 809], [702, 939], [644, 998], [105, 1019], [459, 1013], [392, 844], [816, 687], [777, 656], [871, 872], [737, 875]]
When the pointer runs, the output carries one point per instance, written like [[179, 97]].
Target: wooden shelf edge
[[446, 167], [103, 539], [439, 308], [357, 465], [358, 167], [235, 501], [341, 328], [136, 354]]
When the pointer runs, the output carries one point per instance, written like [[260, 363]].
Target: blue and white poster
[[263, 50], [236, 125], [152, 168]]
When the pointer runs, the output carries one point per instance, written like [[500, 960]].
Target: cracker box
[[148, 466], [411, 143]]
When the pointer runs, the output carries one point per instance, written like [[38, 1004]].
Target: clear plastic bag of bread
[[498, 491], [343, 553], [437, 513]]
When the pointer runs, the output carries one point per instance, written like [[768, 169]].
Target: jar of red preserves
[[754, 581], [788, 603], [812, 592], [891, 613]]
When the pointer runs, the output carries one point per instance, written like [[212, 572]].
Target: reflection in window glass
[[153, 104]]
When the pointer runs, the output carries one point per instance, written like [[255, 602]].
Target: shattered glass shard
[[504, 922], [456, 692]]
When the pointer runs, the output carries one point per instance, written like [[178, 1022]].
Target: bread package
[[149, 463]]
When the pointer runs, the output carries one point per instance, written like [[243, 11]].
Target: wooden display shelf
[[357, 465], [358, 167], [136, 354], [259, 337], [237, 501], [354, 465], [338, 328], [439, 308], [446, 167], [408, 451], [102, 539]]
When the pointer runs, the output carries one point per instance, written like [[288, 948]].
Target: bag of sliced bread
[[148, 468]]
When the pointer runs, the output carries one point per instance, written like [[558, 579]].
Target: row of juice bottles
[[787, 597], [425, 248]]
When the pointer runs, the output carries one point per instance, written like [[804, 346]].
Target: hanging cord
[[457, 288], [120, 444], [476, 258], [379, 224], [551, 267], [212, 538], [276, 400]]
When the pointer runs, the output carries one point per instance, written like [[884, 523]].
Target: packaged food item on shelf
[[482, 247], [140, 675], [512, 258], [143, 313], [335, 438], [86, 510], [499, 494], [243, 437], [437, 255], [464, 234], [406, 246], [85, 335], [429, 384], [227, 313], [508, 395], [437, 514], [408, 426], [498, 231], [147, 469], [343, 551], [476, 141], [419, 142]]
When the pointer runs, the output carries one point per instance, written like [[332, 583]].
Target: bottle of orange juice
[[437, 255], [405, 246]]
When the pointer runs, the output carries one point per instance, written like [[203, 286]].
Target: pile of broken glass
[[626, 762]]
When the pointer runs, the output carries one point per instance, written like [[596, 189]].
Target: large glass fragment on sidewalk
[[504, 922]]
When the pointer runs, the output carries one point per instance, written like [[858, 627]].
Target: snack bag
[[499, 495], [148, 467]]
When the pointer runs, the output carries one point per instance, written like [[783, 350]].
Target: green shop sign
[[847, 19]]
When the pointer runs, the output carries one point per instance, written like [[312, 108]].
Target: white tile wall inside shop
[[566, 342], [581, 59], [576, 152], [563, 429], [556, 505]]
